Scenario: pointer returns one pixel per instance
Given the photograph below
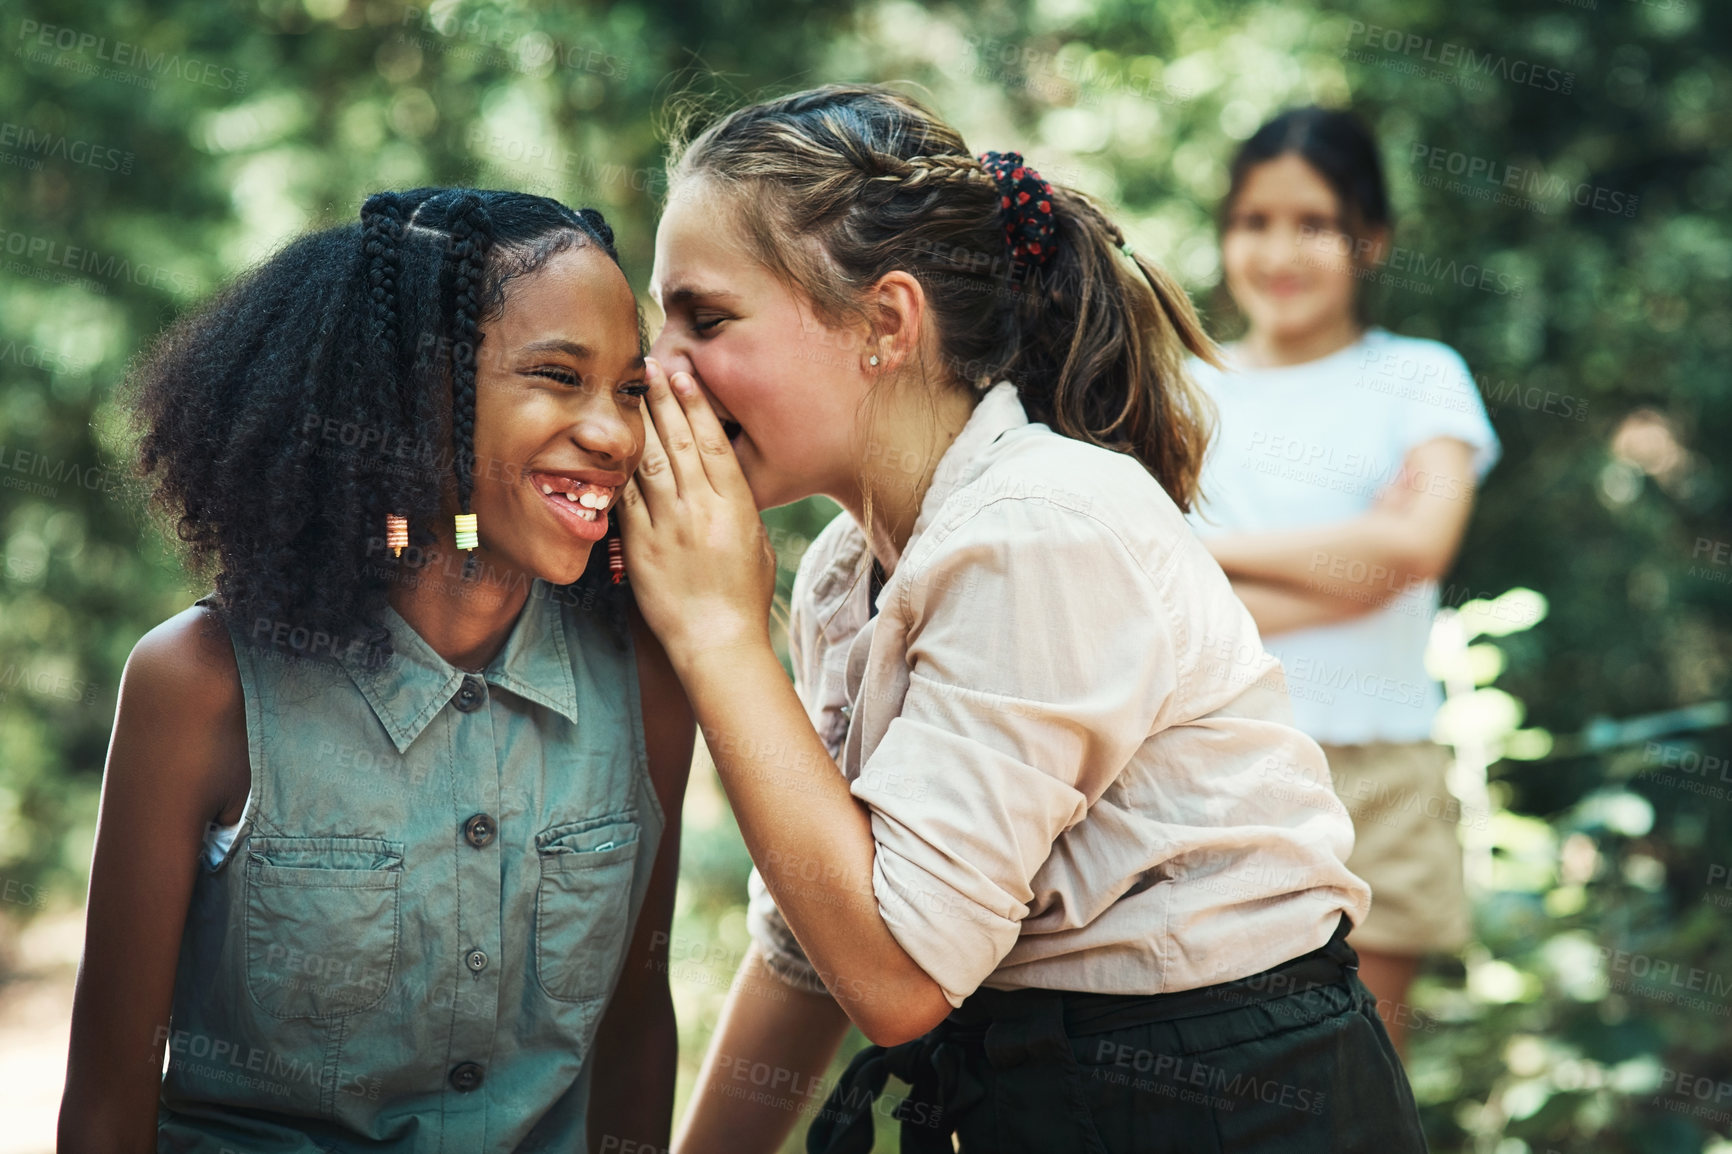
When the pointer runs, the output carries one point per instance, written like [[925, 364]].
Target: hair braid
[[381, 240], [471, 239], [598, 227], [918, 173]]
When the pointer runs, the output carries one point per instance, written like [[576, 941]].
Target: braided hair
[[1094, 337], [286, 417]]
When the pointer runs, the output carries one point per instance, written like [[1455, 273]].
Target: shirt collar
[[410, 690], [845, 579], [998, 411]]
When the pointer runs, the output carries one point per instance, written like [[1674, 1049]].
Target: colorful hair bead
[[615, 558], [396, 533], [467, 538]]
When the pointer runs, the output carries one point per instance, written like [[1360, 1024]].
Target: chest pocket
[[583, 905], [321, 923]]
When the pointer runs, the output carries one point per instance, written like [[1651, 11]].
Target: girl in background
[[1050, 881], [1336, 494], [385, 834]]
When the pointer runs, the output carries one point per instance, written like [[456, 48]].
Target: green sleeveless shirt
[[410, 943]]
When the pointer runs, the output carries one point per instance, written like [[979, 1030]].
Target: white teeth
[[588, 514], [589, 498]]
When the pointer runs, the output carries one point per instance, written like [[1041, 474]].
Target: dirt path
[[35, 1008]]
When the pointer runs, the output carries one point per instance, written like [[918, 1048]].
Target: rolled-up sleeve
[[1039, 658]]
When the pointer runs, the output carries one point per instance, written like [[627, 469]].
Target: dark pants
[[1293, 1059]]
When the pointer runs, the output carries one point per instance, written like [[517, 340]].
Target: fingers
[[631, 510], [655, 477], [714, 452], [672, 435]]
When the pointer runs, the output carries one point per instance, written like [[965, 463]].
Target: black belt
[[1027, 1025]]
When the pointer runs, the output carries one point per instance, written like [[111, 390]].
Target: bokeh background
[[149, 152]]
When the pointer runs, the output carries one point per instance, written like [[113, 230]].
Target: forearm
[[1283, 608], [113, 1071], [631, 1096], [812, 840], [769, 1026], [1376, 555]]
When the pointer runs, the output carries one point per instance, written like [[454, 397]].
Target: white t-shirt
[[1316, 443]]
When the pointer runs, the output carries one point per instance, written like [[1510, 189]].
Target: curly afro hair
[[331, 385]]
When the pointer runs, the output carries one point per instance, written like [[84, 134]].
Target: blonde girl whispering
[[1016, 818]]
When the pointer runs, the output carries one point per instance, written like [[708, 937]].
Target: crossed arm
[[1322, 574]]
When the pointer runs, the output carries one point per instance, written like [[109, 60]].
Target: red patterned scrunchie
[[1025, 203]]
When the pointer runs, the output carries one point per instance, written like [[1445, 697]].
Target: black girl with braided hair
[[388, 839], [1033, 815]]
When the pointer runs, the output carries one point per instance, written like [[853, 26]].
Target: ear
[[897, 310]]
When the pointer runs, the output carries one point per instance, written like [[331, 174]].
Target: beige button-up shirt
[[1080, 761]]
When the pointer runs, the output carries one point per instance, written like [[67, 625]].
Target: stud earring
[[396, 533], [872, 360]]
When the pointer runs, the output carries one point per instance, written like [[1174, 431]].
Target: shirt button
[[476, 960], [472, 695], [479, 830], [465, 1077]]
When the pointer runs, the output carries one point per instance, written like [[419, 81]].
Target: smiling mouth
[[580, 505]]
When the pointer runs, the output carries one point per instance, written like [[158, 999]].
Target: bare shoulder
[[187, 664], [181, 691]]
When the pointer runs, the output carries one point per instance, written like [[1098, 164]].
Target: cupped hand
[[697, 555]]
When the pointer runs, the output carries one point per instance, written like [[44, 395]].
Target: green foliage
[[150, 155]]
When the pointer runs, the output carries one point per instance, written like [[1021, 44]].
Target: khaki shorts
[[1404, 845]]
